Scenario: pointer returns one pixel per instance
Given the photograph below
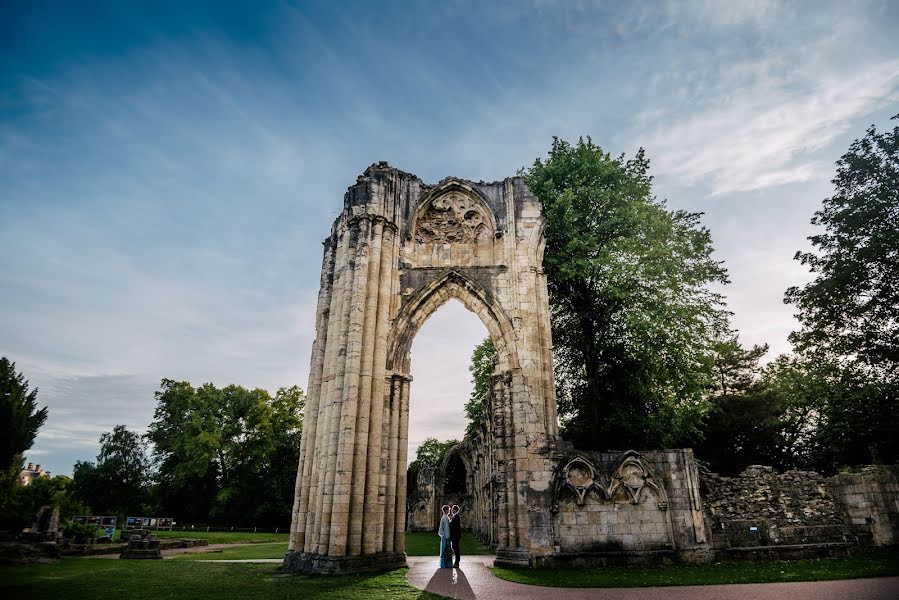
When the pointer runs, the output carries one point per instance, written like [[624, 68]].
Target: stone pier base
[[513, 557], [317, 564]]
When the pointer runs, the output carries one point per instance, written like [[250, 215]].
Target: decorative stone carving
[[632, 476], [579, 476], [452, 218]]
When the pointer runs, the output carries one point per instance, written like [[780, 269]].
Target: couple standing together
[[450, 533]]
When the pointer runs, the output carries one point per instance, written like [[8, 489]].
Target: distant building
[[30, 473]]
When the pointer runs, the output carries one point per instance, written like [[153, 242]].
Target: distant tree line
[[211, 455]]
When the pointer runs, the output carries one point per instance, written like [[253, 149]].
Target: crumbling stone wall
[[421, 502], [761, 507]]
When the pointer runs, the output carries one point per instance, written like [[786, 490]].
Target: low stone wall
[[627, 507]]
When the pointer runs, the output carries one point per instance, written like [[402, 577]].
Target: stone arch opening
[[450, 285]]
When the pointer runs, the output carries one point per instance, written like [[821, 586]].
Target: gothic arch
[[417, 310]]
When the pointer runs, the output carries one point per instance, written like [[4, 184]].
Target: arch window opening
[[441, 387], [441, 380]]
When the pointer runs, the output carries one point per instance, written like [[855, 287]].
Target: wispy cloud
[[766, 133]]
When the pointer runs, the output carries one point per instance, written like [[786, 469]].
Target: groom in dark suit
[[456, 533]]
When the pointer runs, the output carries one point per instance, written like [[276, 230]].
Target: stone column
[[399, 542], [304, 470], [363, 419]]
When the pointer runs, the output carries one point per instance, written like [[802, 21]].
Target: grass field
[[225, 537], [428, 544], [872, 564], [238, 552], [417, 544], [84, 578]]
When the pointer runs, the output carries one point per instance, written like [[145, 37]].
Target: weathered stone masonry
[[398, 251]]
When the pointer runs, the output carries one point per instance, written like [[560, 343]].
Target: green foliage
[[803, 412], [79, 532], [430, 454], [20, 418], [52, 491], [118, 482], [848, 312], [633, 315], [481, 368], [736, 368], [228, 454]]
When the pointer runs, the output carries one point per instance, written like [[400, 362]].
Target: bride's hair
[[445, 509]]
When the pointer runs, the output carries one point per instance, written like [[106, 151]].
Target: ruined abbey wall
[[399, 250]]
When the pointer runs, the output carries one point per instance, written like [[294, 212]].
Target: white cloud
[[765, 133]]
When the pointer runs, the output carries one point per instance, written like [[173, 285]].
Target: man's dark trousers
[[455, 537]]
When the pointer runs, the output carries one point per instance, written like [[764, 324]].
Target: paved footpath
[[473, 581]]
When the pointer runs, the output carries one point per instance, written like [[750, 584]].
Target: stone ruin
[[142, 544], [45, 527], [398, 251]]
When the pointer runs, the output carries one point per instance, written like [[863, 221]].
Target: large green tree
[[633, 306], [849, 311], [226, 454], [118, 483]]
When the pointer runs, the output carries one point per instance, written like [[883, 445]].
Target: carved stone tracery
[[631, 476], [453, 217]]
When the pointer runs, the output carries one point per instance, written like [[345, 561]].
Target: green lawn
[[428, 544], [417, 544], [872, 564], [238, 552], [84, 578], [225, 537]]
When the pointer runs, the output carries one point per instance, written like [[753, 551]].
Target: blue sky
[[168, 169]]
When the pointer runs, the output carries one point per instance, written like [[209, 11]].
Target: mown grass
[[238, 552], [81, 578], [417, 544], [428, 544], [871, 564], [224, 537]]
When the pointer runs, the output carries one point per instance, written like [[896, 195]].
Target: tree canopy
[[118, 482], [481, 369], [226, 453], [20, 418], [850, 311], [633, 307]]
